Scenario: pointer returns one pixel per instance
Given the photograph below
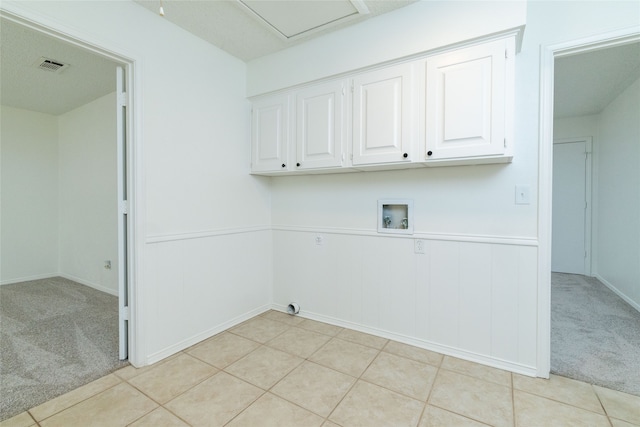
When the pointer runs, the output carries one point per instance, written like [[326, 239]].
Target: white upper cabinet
[[382, 116], [320, 126], [467, 98], [270, 134], [453, 107]]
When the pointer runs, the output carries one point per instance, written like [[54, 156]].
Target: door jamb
[[548, 53]]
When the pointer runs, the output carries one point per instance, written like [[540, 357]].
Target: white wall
[[88, 202], [474, 293], [618, 224], [29, 152], [203, 245]]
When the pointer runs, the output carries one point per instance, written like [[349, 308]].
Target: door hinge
[[124, 207], [352, 86], [505, 143], [506, 54], [122, 99], [124, 312], [585, 254]]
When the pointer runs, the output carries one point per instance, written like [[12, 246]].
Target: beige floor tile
[[314, 387], [474, 398], [117, 406], [346, 357], [369, 405], [272, 411], [321, 327], [436, 417], [477, 370], [362, 338], [330, 424], [562, 389], [130, 371], [260, 329], [411, 378], [215, 401], [299, 342], [621, 406], [21, 420], [264, 367], [620, 423], [223, 349], [413, 353], [283, 317], [534, 410], [159, 417], [73, 397], [169, 379]]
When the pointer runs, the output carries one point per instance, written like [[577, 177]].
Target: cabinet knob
[[284, 166], [298, 164], [429, 153], [405, 155]]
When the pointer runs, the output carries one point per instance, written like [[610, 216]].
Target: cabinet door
[[382, 114], [320, 126], [269, 134], [465, 102]]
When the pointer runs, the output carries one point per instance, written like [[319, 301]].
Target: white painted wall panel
[[446, 299], [29, 178], [88, 207], [618, 226], [204, 285]]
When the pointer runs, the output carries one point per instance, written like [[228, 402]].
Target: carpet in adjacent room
[[595, 334], [55, 335]]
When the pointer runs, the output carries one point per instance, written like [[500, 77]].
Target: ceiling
[[584, 83], [248, 29]]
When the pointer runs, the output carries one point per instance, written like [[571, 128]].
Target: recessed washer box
[[395, 216]]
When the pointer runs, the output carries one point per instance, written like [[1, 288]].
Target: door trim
[[548, 53], [132, 64]]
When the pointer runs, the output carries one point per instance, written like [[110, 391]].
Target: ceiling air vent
[[51, 65]]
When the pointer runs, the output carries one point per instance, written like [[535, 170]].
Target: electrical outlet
[[107, 265], [418, 246], [319, 240]]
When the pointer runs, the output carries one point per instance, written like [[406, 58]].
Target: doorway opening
[[573, 221], [113, 277]]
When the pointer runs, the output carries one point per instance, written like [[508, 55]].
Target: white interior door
[[123, 293], [571, 202]]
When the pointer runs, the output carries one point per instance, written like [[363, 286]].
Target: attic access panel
[[294, 18]]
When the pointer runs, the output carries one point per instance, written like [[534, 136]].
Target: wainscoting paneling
[[467, 298], [201, 286]]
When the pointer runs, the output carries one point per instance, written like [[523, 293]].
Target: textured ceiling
[[23, 85], [586, 83], [233, 28]]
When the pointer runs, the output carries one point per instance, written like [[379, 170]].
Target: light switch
[[522, 195]]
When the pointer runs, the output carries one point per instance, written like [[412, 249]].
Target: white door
[[123, 209], [571, 199]]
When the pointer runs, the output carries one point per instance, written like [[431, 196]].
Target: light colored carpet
[[55, 335], [595, 334]]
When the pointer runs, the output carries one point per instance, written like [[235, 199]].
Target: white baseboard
[[89, 284], [28, 278], [427, 345], [171, 350], [615, 290]]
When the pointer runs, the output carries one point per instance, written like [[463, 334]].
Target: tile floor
[[278, 370]]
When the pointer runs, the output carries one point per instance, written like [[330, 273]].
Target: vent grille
[[51, 65]]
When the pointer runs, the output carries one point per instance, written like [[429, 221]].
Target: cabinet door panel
[[381, 116], [465, 94], [269, 134], [319, 126]]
